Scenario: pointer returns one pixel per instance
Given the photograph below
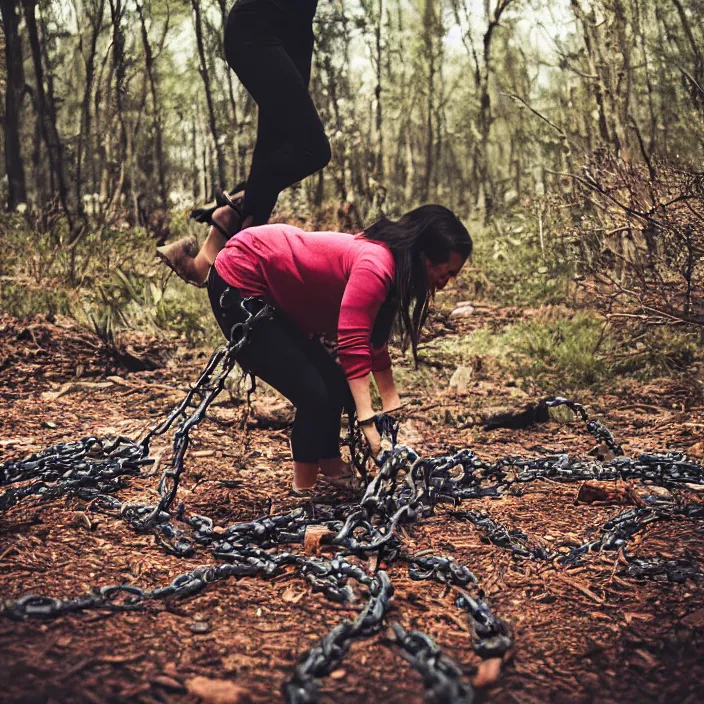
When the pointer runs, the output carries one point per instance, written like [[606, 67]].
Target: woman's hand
[[371, 435]]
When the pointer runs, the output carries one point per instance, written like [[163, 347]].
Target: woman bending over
[[352, 287]]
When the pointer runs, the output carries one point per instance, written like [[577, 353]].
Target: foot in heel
[[179, 257], [229, 225]]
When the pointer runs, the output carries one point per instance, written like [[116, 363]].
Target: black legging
[[301, 369], [269, 45]]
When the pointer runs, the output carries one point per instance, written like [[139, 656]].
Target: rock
[[200, 627], [313, 537], [462, 312], [487, 673], [561, 414], [460, 379], [218, 691], [611, 494]]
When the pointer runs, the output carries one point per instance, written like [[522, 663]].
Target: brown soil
[[580, 635]]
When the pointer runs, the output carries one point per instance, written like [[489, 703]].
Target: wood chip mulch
[[582, 634]]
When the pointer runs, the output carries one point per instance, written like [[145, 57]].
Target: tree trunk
[[609, 68], [695, 80], [46, 114], [430, 21], [157, 121], [14, 91], [195, 181], [238, 169], [485, 113], [117, 183], [84, 134], [376, 50], [120, 69], [205, 75]]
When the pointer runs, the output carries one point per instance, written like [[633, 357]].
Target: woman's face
[[440, 274]]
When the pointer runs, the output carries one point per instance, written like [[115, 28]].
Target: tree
[[205, 76], [14, 92], [46, 115]]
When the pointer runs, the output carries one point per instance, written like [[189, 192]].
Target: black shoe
[[205, 215]]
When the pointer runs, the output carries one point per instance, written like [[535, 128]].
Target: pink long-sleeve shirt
[[327, 282]]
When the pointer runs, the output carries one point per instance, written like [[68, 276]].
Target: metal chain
[[442, 677], [405, 489]]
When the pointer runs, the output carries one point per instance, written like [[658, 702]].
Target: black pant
[[269, 45], [280, 354]]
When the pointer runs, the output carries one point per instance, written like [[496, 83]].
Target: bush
[[516, 262], [108, 279]]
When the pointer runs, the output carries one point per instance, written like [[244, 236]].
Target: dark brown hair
[[433, 232]]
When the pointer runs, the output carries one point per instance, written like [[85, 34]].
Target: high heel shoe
[[179, 256], [205, 215]]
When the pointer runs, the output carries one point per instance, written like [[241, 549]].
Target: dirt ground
[[582, 634]]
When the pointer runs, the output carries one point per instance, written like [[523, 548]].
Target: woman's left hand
[[371, 435]]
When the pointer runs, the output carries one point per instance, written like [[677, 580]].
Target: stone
[[460, 379], [462, 312], [218, 691], [200, 627]]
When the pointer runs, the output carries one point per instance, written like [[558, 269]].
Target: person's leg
[[340, 398], [189, 262], [291, 141], [298, 39], [227, 219], [272, 57], [277, 353]]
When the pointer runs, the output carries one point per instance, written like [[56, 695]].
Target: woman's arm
[[359, 386], [390, 400]]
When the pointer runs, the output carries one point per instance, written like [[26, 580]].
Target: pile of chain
[[405, 489]]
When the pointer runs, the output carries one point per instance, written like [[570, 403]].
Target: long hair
[[433, 232]]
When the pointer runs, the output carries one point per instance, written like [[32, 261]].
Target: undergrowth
[[110, 280], [562, 350], [517, 261]]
